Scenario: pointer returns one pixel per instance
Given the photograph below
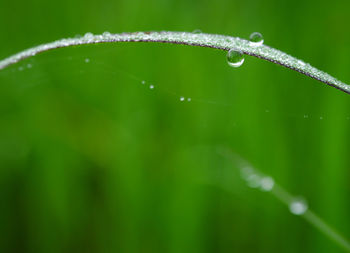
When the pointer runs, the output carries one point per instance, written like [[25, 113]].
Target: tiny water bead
[[189, 99], [298, 206], [235, 58], [151, 86], [143, 82], [256, 39], [301, 63], [87, 60], [106, 34], [182, 99], [88, 35]]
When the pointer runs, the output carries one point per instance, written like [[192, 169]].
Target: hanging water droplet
[[182, 99], [267, 184], [235, 58], [298, 206], [151, 86], [256, 39]]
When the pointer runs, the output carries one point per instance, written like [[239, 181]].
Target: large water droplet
[[235, 58], [256, 39], [298, 206]]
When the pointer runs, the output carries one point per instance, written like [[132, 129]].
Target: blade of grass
[[194, 39]]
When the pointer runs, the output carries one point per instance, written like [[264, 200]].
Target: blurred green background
[[92, 160]]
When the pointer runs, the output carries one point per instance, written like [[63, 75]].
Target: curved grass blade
[[194, 39]]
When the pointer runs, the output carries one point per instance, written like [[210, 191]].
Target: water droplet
[[253, 181], [143, 82], [151, 86], [20, 68], [256, 39], [321, 118], [301, 63], [29, 65], [106, 34], [298, 206], [267, 184], [235, 58], [197, 31], [189, 99], [87, 60], [88, 35], [182, 99]]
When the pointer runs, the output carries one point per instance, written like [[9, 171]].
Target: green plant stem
[[194, 39]]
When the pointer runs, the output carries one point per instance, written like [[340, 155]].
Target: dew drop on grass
[[87, 60], [301, 63], [298, 206], [29, 65], [143, 82], [88, 35], [151, 86], [235, 58], [189, 99], [20, 68], [182, 99], [256, 39], [306, 116]]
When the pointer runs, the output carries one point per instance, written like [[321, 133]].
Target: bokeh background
[[92, 160]]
